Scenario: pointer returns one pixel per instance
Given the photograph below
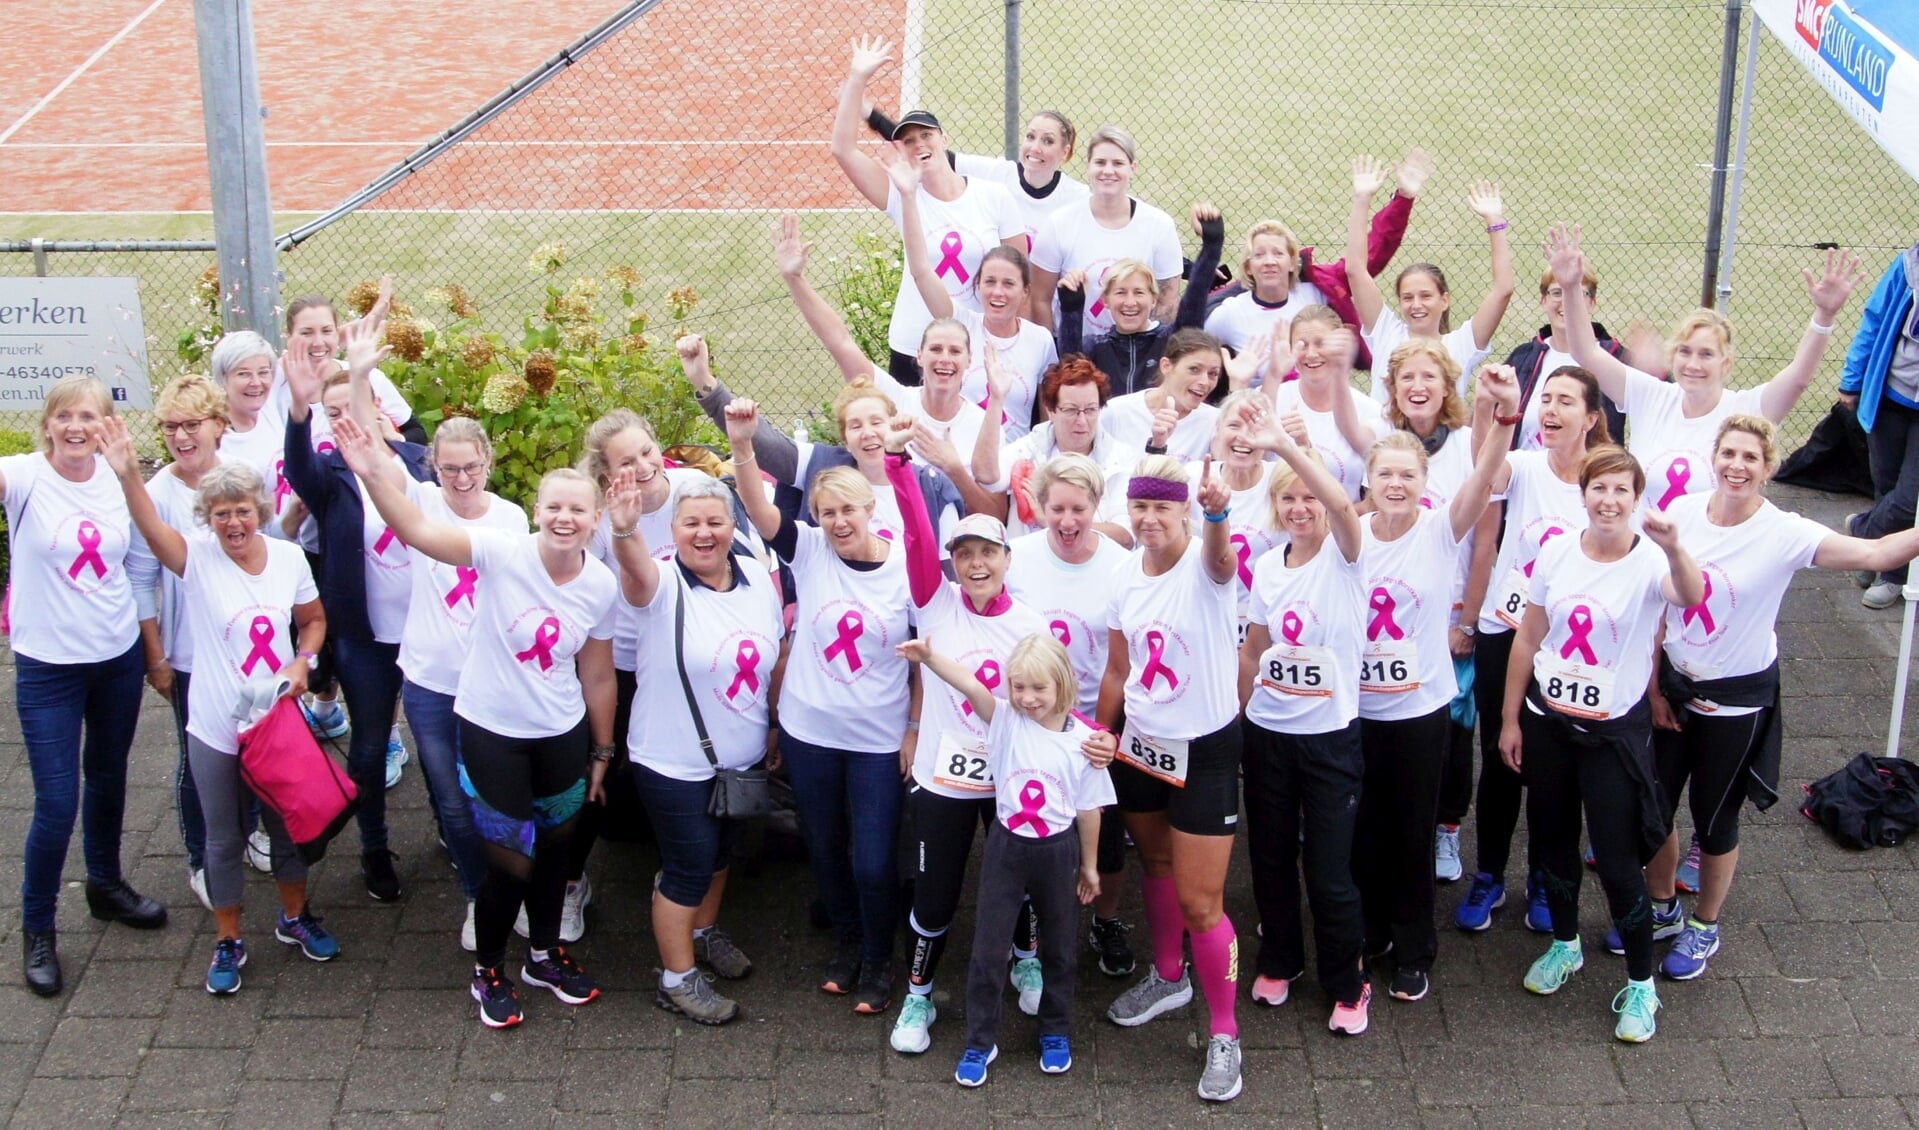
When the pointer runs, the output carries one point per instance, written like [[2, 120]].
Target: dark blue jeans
[[850, 809], [59, 703], [186, 796], [1893, 444], [369, 675], [436, 737], [694, 846]]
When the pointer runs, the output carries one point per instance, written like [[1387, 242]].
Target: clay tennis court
[[104, 114]]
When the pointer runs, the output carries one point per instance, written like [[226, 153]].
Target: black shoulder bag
[[737, 793]]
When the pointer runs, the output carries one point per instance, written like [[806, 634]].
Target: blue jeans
[[694, 846], [850, 809], [186, 796], [436, 737], [369, 675], [1893, 444], [58, 702]]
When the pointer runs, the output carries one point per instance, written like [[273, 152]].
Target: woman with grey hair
[[245, 596], [715, 681]]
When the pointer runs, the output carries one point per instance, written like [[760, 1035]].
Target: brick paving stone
[[1776, 1068], [1799, 1008], [1745, 1115], [60, 1104], [615, 1082], [379, 1079], [186, 1079], [1870, 1068], [1853, 1114], [87, 1047], [285, 1104]]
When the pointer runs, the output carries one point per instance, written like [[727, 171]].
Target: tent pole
[[1905, 665], [1721, 143], [1738, 168]]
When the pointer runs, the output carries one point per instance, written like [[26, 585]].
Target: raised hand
[[1486, 202], [116, 445], [1830, 290], [363, 349], [789, 250], [304, 375], [1206, 219], [1293, 426], [899, 432], [1501, 384], [1214, 495], [998, 382], [742, 421], [1341, 347], [934, 447], [692, 350], [1074, 280], [1564, 257], [1244, 366], [1264, 428], [1661, 529], [1165, 419], [356, 448], [905, 174], [870, 53], [1414, 170], [1369, 176], [625, 500]]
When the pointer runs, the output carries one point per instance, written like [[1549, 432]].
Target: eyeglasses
[[1556, 293], [1080, 413], [191, 427], [464, 470]]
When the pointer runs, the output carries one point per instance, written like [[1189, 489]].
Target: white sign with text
[[56, 327]]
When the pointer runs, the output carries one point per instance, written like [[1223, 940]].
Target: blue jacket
[[328, 488], [1870, 358]]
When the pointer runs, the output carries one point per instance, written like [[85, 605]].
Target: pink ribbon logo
[[1678, 474], [280, 487], [323, 447], [746, 674], [950, 247], [1383, 606], [851, 627], [1290, 626], [1032, 800], [1579, 627], [260, 633], [988, 675], [1245, 554], [1156, 663], [544, 637], [1699, 611], [1551, 533], [1062, 633], [1426, 500], [88, 535], [387, 538], [1097, 308], [463, 589]]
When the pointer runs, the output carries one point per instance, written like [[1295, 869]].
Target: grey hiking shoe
[[1885, 594], [1220, 1081], [697, 1000], [1150, 997], [715, 949]]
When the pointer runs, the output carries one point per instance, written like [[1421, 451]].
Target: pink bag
[[288, 771]]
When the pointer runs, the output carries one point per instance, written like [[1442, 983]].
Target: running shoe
[[715, 949], [223, 976], [382, 881], [1884, 594], [696, 999], [1271, 991], [1666, 923], [1410, 985], [326, 719], [579, 896], [468, 941], [562, 975], [842, 969], [1350, 1019], [1555, 967], [1220, 1081], [1055, 1055], [1486, 895], [911, 1032], [1539, 913], [1687, 958], [1028, 982], [1108, 938], [875, 992], [396, 757], [1636, 1004], [197, 883], [1446, 865], [1688, 878], [259, 851], [972, 1066], [499, 1003], [307, 933], [1152, 996]]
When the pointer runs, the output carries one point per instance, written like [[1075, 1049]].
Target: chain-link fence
[[673, 142]]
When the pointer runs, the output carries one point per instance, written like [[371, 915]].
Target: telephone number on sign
[[44, 372]]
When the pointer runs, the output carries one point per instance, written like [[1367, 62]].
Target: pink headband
[[1155, 489]]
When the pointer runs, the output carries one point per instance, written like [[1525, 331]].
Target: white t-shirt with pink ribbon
[[657, 528], [70, 598], [1748, 568], [1308, 680], [1347, 464], [1540, 508], [1406, 663], [1044, 779], [1071, 239], [1677, 451], [959, 233], [242, 627], [732, 646], [1065, 192], [1390, 331], [1446, 471], [1254, 533], [446, 598], [1601, 619], [174, 500], [264, 449], [1182, 641], [1023, 358], [1072, 599], [950, 759], [389, 572], [845, 687], [519, 678], [1129, 420]]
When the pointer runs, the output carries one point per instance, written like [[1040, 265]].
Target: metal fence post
[[1721, 144], [1012, 80], [237, 163], [1739, 166], [39, 256]]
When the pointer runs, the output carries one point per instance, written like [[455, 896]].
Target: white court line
[[910, 55], [79, 70], [633, 144]]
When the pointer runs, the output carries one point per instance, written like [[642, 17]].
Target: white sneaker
[[260, 851], [1446, 866], [197, 879], [911, 1032], [573, 910], [467, 940], [396, 757]]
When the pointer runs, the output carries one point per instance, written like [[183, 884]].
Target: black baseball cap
[[913, 118]]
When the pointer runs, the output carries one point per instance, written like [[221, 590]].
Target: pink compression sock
[[1216, 967], [1167, 924]]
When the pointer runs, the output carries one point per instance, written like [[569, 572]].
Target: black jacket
[[1529, 358], [1131, 361]]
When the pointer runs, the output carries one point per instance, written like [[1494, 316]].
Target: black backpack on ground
[[1873, 801]]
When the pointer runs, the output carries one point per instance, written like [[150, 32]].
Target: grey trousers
[[223, 801], [1017, 868]]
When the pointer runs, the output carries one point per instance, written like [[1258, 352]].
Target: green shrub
[[866, 282]]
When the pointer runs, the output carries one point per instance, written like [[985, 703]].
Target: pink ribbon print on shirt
[[1032, 801], [746, 670], [1551, 533], [280, 487], [88, 535], [1290, 627], [1062, 632], [545, 638], [988, 675], [1383, 606], [1156, 663], [951, 244], [1700, 611], [1244, 553], [1678, 477], [1579, 630], [846, 641], [467, 576], [260, 635], [386, 539]]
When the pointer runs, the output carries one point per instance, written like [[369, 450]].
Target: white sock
[[672, 980], [536, 956], [701, 932]]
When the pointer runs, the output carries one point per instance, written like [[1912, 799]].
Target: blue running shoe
[[223, 976], [1665, 924], [1487, 895], [326, 719], [1539, 914], [972, 1066], [1688, 879], [1687, 958], [307, 933], [1055, 1055]]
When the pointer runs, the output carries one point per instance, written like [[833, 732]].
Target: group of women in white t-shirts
[[1017, 595]]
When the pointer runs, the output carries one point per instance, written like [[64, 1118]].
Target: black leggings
[[1712, 753], [618, 783], [943, 828], [526, 795], [1393, 840], [1500, 789], [1561, 780]]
